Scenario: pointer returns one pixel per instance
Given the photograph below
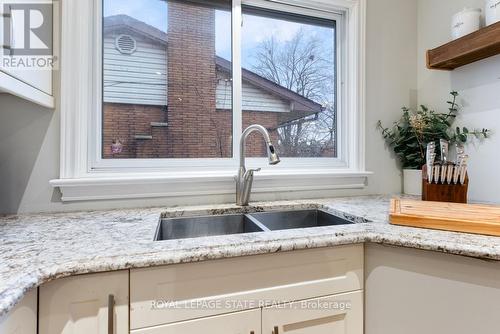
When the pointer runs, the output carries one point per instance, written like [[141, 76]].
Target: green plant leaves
[[409, 136]]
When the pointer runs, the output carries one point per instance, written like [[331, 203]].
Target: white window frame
[[85, 175]]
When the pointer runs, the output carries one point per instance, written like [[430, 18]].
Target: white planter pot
[[412, 182]]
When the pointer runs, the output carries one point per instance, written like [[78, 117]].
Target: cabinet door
[[96, 303], [339, 314], [14, 20], [245, 322], [22, 319]]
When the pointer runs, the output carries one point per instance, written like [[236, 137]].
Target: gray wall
[[29, 155], [30, 135]]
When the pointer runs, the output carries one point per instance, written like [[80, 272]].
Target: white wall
[[29, 149], [479, 88], [391, 56]]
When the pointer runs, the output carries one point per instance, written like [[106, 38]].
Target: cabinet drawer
[[245, 322], [339, 314], [179, 292]]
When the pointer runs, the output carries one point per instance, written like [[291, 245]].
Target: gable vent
[[125, 44]]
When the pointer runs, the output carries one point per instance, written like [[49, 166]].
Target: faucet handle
[[249, 173]]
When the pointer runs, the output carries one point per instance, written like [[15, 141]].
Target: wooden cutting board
[[468, 218]]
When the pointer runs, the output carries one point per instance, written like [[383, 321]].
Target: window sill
[[133, 186]]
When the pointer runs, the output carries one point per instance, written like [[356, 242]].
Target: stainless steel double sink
[[193, 227]]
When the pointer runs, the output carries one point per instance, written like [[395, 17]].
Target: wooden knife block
[[438, 192]]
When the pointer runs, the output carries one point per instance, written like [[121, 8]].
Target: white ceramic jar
[[492, 11], [465, 22]]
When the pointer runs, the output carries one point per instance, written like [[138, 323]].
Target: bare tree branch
[[303, 66]]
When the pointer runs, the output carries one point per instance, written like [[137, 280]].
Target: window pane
[[167, 79], [289, 82]]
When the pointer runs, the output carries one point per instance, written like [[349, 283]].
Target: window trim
[[78, 96]]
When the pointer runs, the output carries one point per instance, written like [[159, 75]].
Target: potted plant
[[409, 136]]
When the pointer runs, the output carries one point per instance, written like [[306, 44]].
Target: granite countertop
[[35, 249]]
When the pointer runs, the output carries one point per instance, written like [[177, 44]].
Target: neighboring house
[[169, 95]]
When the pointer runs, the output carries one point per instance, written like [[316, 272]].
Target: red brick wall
[[124, 121], [192, 81], [256, 147]]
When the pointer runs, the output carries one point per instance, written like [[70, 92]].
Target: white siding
[[139, 78], [254, 99]]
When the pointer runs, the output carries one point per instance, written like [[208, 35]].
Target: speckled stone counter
[[35, 249]]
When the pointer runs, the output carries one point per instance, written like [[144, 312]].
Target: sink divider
[[257, 222]]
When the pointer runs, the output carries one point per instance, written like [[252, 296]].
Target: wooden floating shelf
[[479, 45]]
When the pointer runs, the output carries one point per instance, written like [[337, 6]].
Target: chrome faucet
[[245, 177]]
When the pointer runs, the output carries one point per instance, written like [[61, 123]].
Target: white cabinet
[[85, 304], [413, 291], [23, 318], [212, 290], [241, 283], [245, 322], [339, 314], [25, 72], [310, 291]]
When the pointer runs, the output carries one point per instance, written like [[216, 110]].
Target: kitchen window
[[172, 84]]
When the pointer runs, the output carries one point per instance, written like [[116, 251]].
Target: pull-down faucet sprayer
[[245, 177]]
